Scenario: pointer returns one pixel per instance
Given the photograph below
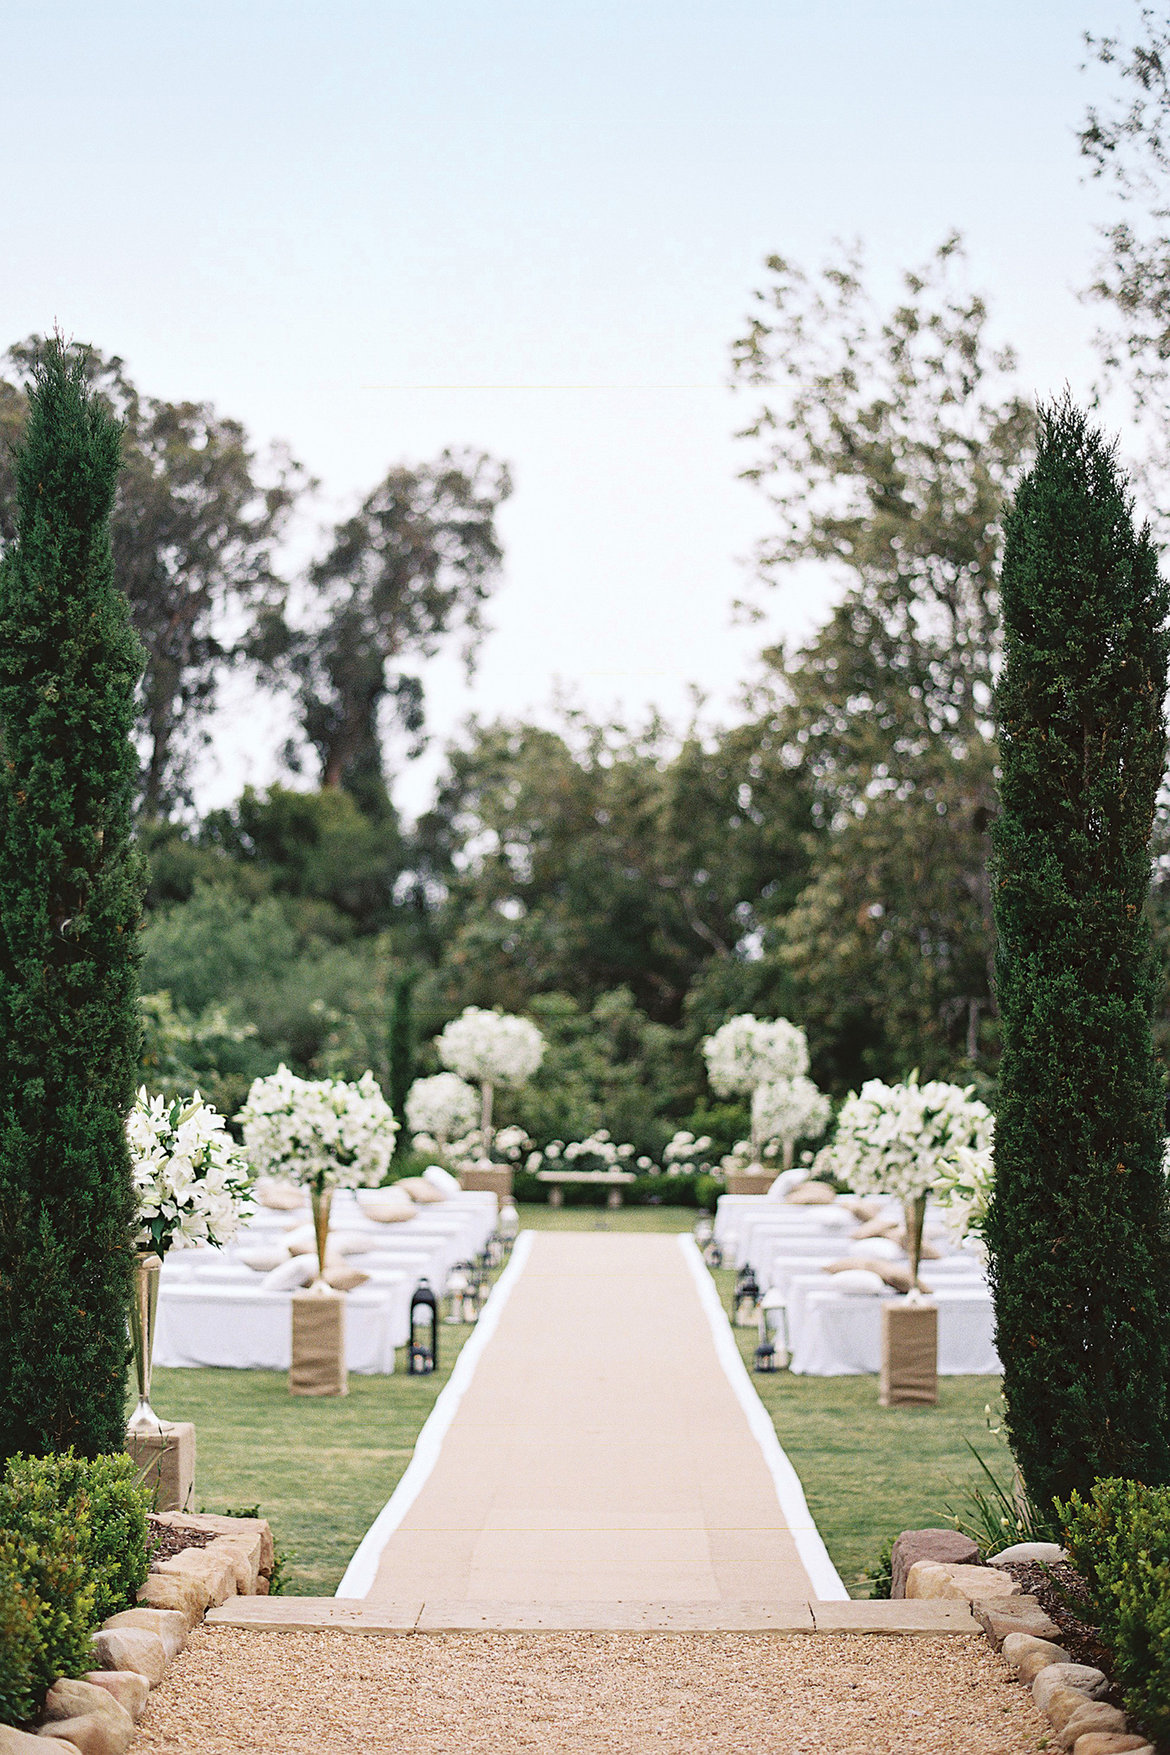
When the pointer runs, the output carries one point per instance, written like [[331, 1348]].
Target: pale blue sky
[[278, 206]]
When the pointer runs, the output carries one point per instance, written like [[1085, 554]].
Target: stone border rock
[[97, 1715], [1069, 1695]]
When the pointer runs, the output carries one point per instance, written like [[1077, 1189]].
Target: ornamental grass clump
[[490, 1049], [71, 887], [1078, 1227]]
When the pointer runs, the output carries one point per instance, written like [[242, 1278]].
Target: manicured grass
[[869, 1472], [536, 1217], [319, 1469]]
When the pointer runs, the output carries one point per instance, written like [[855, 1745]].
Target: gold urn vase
[[144, 1422]]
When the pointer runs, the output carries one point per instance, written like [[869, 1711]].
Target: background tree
[[887, 442], [1126, 143], [1079, 1228], [195, 522], [70, 903], [400, 1046], [417, 562]]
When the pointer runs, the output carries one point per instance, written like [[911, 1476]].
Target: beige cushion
[[344, 1279], [283, 1197], [262, 1260], [304, 1242], [388, 1206], [879, 1228], [419, 1191], [897, 1278], [811, 1194], [862, 1209]]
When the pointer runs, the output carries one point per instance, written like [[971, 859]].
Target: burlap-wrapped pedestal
[[909, 1375], [750, 1181], [496, 1179], [318, 1344], [166, 1464]]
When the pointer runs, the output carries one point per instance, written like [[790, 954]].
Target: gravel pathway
[[587, 1694]]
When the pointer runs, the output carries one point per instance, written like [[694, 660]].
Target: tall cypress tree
[[400, 1048], [1079, 1231], [70, 903]]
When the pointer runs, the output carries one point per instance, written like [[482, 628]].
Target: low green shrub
[[1119, 1541], [880, 1575], [108, 1491], [72, 1551], [46, 1547]]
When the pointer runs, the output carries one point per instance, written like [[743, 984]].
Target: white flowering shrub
[[441, 1108], [902, 1140], [685, 1154], [493, 1048], [320, 1133], [191, 1182], [787, 1110], [747, 1051]]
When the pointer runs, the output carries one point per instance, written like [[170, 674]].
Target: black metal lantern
[[766, 1351], [745, 1298], [422, 1355], [713, 1255]]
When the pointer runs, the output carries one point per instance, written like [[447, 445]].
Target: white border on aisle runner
[[363, 1568], [823, 1575]]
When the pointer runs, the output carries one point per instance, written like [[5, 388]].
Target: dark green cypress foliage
[[70, 901], [400, 1050], [1079, 1233]]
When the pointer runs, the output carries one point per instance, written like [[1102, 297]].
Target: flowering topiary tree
[[441, 1109], [787, 1110], [322, 1134], [490, 1049], [902, 1139], [747, 1052]]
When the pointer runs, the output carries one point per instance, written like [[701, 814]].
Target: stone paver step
[[460, 1615]]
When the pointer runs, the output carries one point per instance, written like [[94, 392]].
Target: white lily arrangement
[[319, 1133], [902, 1140], [191, 1181]]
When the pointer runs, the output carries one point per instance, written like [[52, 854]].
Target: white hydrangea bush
[[749, 1051], [191, 1181], [787, 1110], [320, 1133], [902, 1140], [493, 1048], [441, 1108]]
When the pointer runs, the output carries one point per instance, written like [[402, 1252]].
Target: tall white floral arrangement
[[787, 1110], [905, 1139], [191, 1181], [747, 1052], [964, 1192], [320, 1133], [441, 1108], [490, 1049]]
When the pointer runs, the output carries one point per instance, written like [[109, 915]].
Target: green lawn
[[869, 1471], [321, 1470]]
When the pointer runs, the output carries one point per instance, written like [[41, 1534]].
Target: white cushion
[[387, 1206], [858, 1283], [787, 1179], [297, 1271], [441, 1179], [879, 1248]]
